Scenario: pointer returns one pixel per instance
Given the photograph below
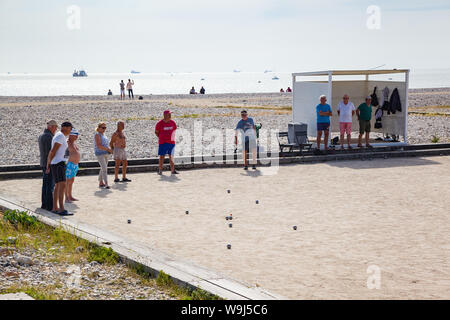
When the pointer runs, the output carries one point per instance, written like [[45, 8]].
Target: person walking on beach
[[324, 113], [102, 152], [364, 114], [56, 164], [72, 164], [45, 145], [130, 85], [248, 133], [165, 131], [345, 110], [122, 90], [118, 144]]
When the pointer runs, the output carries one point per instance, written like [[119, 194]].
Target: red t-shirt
[[166, 131]]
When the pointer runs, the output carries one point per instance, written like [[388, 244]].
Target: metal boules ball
[[129, 221], [229, 246], [187, 212], [226, 218], [228, 191], [294, 227], [230, 225], [257, 201]]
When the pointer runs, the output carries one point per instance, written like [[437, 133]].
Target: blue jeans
[[47, 190]]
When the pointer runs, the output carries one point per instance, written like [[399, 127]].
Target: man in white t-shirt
[[56, 164], [345, 110]]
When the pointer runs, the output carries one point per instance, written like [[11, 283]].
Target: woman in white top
[[130, 85], [102, 152]]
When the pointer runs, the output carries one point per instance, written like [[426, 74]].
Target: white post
[[293, 93], [405, 132], [330, 97]]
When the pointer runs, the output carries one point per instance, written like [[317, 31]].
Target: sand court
[[390, 214]]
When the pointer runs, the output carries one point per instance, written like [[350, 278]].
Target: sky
[[220, 36]]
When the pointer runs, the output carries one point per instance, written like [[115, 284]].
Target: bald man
[[118, 144]]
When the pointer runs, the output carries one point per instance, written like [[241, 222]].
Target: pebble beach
[[22, 119]]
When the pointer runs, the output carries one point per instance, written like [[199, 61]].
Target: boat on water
[[135, 72], [80, 73], [267, 71], [236, 70], [275, 78]]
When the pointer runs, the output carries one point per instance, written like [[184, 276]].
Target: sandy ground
[[392, 214]]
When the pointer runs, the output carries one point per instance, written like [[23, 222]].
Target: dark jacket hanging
[[374, 97], [395, 103]]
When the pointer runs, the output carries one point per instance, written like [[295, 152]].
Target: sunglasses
[[102, 127]]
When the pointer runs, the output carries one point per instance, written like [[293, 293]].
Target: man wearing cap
[[165, 131], [56, 164], [72, 164], [364, 114], [45, 144], [248, 132]]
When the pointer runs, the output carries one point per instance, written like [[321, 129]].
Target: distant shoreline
[[169, 95]]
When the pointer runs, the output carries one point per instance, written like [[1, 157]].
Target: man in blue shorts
[[165, 131], [72, 164], [324, 113]]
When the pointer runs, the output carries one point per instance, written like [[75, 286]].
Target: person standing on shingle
[[45, 144]]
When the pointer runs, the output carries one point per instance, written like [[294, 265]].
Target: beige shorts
[[119, 154]]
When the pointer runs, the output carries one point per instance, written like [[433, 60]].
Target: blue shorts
[[323, 126], [166, 148], [71, 170]]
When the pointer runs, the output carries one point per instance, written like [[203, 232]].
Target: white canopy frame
[[306, 96]]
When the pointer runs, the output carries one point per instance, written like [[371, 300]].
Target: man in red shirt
[[165, 131]]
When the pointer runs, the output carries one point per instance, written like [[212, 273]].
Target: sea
[[64, 84]]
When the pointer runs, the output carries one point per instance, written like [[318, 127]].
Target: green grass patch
[[435, 139], [430, 114], [16, 217], [193, 115], [255, 107], [102, 255], [37, 293], [164, 281]]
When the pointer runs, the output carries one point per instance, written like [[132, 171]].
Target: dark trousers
[[47, 190], [130, 93]]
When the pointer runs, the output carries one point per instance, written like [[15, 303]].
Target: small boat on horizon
[[80, 73], [236, 70], [135, 72], [275, 78]]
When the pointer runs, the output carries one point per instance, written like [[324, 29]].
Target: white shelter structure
[[308, 86]]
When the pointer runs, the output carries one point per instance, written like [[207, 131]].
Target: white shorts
[[119, 154]]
